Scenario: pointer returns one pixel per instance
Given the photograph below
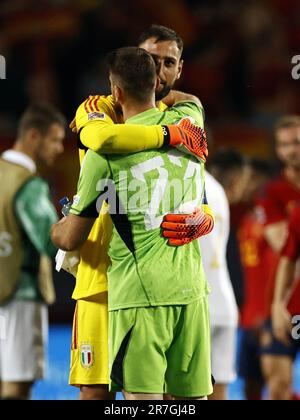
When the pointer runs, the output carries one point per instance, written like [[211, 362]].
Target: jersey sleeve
[[274, 211], [205, 206], [93, 186], [37, 214], [189, 109], [98, 130], [97, 110], [292, 245]]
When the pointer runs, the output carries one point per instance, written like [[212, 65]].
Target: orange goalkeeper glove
[[189, 136], [184, 228]]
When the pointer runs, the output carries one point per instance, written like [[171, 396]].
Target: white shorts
[[23, 336], [223, 347]]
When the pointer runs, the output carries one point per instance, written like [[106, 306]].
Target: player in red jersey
[[282, 195], [255, 260], [286, 303], [286, 282]]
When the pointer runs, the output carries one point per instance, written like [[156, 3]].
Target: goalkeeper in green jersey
[[157, 292]]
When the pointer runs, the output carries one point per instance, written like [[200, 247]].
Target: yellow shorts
[[89, 354]]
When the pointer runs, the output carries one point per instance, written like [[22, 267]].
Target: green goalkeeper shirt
[[140, 189]]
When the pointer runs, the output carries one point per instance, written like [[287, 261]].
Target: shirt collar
[[146, 114], [20, 159]]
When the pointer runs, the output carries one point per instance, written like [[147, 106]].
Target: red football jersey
[[280, 199], [292, 251], [281, 196], [257, 261]]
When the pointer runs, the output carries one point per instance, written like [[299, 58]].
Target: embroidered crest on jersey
[[96, 116], [87, 355]]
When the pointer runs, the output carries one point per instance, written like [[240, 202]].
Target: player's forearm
[[120, 138], [59, 235], [284, 279], [71, 232], [176, 96]]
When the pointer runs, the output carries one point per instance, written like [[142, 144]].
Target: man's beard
[[293, 160], [163, 93], [295, 165]]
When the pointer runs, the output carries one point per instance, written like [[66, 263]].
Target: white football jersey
[[223, 307]]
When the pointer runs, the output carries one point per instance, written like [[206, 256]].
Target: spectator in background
[[287, 281], [230, 168], [256, 259], [222, 304], [26, 216], [282, 195]]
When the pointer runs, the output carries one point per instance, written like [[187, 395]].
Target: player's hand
[[281, 323], [193, 138], [73, 126], [184, 228]]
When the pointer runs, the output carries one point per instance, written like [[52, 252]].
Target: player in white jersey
[[223, 307]]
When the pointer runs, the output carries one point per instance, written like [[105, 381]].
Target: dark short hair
[[261, 166], [135, 70], [287, 121], [40, 116], [224, 163], [161, 33], [228, 159]]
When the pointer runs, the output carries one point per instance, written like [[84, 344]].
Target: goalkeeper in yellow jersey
[[99, 127]]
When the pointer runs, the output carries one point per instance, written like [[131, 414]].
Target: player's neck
[[130, 109], [293, 175], [21, 147]]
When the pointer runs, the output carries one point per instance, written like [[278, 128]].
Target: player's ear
[[157, 83], [33, 135], [118, 94], [180, 67]]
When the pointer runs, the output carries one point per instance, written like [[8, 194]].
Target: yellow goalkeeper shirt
[[100, 125]]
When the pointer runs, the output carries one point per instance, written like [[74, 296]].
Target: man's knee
[[277, 371], [279, 388], [16, 390]]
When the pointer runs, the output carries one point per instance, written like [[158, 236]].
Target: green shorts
[[163, 349]]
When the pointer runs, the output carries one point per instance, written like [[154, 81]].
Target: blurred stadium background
[[237, 60]]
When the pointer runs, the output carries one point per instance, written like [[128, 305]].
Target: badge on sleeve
[[96, 116]]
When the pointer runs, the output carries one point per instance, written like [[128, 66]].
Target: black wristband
[[166, 133]]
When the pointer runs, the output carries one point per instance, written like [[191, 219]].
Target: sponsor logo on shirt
[[96, 116]]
